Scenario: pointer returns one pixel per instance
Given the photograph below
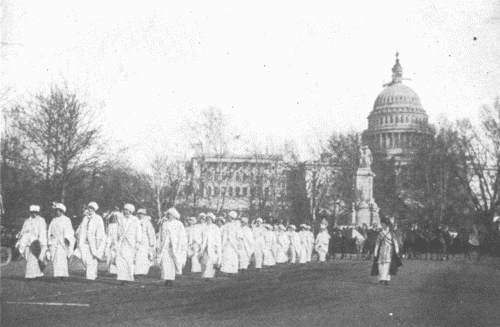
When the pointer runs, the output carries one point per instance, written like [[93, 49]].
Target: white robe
[[145, 252], [383, 251], [111, 243], [303, 246], [129, 238], [246, 247], [283, 246], [258, 236], [211, 250], [269, 243], [60, 228], [310, 245], [194, 237], [295, 246], [92, 242], [321, 245], [172, 250], [231, 235], [33, 229]]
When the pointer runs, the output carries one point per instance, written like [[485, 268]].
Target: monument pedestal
[[366, 208]]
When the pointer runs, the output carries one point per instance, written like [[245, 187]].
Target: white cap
[[496, 218], [221, 219], [210, 216], [172, 211], [59, 206], [129, 207], [202, 215], [34, 208], [244, 220], [141, 211], [259, 220], [233, 214], [281, 226], [292, 227], [93, 205]]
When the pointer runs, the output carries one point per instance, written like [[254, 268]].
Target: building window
[[245, 191], [381, 120], [238, 177], [223, 190], [216, 191], [237, 191], [209, 191], [230, 191], [391, 120]]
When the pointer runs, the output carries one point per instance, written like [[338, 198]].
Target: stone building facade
[[252, 185]]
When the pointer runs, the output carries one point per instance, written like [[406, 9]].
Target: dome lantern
[[397, 71]]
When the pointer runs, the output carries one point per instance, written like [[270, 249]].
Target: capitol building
[[398, 122]]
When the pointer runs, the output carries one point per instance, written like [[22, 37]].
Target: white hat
[[496, 218], [307, 227], [259, 220], [172, 211], [141, 211], [281, 226], [210, 216], [322, 226], [192, 219], [292, 227], [244, 220], [129, 207], [59, 206], [233, 214], [93, 205], [303, 225], [268, 226], [34, 208], [202, 215], [221, 219]]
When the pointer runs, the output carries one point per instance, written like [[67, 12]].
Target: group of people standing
[[130, 245]]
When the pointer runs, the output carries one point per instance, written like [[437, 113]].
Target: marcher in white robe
[[34, 228], [172, 250], [146, 249], [61, 241], [231, 236], [246, 246], [211, 247], [94, 241], [112, 242], [283, 245], [129, 239], [383, 250], [295, 246], [310, 243], [269, 242], [195, 243], [274, 249], [259, 241], [322, 243], [303, 244]]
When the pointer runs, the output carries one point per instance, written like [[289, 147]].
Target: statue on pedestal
[[365, 157]]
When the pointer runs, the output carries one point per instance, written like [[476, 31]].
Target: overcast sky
[[280, 71]]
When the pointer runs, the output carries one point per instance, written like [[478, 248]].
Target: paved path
[[338, 293]]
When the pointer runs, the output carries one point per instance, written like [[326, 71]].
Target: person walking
[[145, 252], [32, 243], [322, 243], [247, 245], [61, 241], [386, 247], [129, 240], [172, 250], [211, 247]]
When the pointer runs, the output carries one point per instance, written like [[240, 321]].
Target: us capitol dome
[[398, 123]]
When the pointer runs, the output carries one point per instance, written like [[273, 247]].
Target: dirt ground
[[337, 293]]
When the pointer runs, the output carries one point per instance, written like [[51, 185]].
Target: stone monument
[[365, 208]]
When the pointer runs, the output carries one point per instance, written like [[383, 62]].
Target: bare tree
[[62, 136], [212, 147], [168, 179]]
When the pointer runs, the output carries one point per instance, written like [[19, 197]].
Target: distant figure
[[322, 243]]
